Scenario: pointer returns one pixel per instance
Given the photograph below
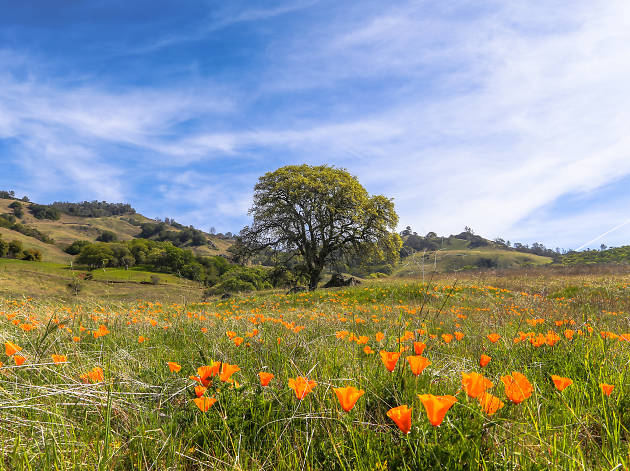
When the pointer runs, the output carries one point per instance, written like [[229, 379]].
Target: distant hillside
[[65, 223], [465, 251], [619, 255]]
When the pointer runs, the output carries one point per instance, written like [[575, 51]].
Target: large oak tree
[[319, 214]]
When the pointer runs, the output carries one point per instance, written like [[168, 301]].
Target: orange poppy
[[418, 363], [348, 396], [59, 358], [265, 378], [493, 337], [402, 416], [560, 382], [19, 360], [237, 341], [141, 339], [418, 347], [517, 387], [389, 359], [76, 339], [447, 338], [475, 384], [95, 375], [204, 403], [204, 373], [484, 360], [379, 336], [368, 350], [459, 335], [301, 386], [11, 349], [436, 406], [199, 390], [228, 370], [489, 403], [174, 367], [607, 388]]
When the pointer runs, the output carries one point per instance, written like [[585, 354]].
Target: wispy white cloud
[[467, 114]]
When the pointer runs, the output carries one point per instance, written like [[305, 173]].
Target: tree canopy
[[319, 214]]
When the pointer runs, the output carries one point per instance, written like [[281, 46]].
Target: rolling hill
[[69, 228]]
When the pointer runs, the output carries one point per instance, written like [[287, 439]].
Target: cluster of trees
[[217, 273], [536, 248], [8, 221], [15, 249], [41, 211], [18, 211], [10, 195], [93, 209], [186, 236]]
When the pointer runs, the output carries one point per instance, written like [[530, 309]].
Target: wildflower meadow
[[449, 374]]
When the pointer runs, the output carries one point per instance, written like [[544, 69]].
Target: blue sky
[[509, 117]]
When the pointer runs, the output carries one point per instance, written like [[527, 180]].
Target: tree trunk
[[314, 277]]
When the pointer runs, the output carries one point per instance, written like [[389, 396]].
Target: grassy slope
[[452, 260], [46, 279]]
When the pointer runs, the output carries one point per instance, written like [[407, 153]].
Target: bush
[[41, 211], [32, 255], [107, 236], [75, 247]]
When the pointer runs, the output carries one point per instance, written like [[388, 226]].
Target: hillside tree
[[319, 214]]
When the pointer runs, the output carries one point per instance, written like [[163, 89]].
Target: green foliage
[[320, 215], [587, 257], [93, 209], [41, 211], [32, 255], [75, 247], [18, 211], [240, 279], [106, 236], [184, 237]]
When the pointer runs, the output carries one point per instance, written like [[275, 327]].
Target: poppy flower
[[141, 339], [475, 384], [95, 375], [436, 406], [607, 388], [228, 370], [204, 373], [418, 347], [560, 382], [174, 367], [517, 387], [368, 350], [204, 403], [301, 386], [389, 359], [418, 364], [447, 338], [402, 416], [76, 339], [19, 360], [199, 390], [459, 335], [265, 378], [237, 341], [379, 336], [489, 403], [59, 358], [493, 337], [484, 360], [11, 349], [348, 396]]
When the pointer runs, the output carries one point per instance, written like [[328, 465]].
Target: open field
[[140, 415]]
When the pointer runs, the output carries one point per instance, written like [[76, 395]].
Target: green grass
[[142, 415]]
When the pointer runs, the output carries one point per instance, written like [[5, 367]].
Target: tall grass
[[142, 415]]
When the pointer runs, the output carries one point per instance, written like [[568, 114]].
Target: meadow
[[166, 386]]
